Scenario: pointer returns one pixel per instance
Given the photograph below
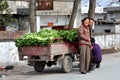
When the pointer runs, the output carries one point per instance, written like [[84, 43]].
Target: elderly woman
[[84, 46]]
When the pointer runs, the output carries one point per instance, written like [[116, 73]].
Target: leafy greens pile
[[45, 37]]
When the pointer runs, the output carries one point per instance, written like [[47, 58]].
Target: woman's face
[[86, 22]]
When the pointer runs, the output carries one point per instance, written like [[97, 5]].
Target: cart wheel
[[39, 66], [67, 64]]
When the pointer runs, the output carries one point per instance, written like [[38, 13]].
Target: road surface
[[109, 70]]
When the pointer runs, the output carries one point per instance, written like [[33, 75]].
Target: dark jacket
[[96, 52]]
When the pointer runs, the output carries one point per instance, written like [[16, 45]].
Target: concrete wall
[[17, 4], [117, 28], [60, 8], [56, 19], [8, 50], [13, 8], [101, 28], [8, 53], [108, 41]]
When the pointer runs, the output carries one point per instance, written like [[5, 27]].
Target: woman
[[84, 46]]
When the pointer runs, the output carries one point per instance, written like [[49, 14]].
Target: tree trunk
[[78, 17], [92, 4], [91, 12], [32, 15], [74, 13]]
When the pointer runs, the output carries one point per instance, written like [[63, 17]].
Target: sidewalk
[[111, 56]]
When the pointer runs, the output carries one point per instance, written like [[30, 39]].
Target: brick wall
[[9, 35]]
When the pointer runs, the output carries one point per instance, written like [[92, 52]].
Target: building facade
[[110, 23], [113, 13], [59, 15]]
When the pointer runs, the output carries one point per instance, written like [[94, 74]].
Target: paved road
[[110, 70]]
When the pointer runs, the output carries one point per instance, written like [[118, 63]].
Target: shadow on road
[[51, 70]]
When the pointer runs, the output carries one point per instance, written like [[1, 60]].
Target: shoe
[[92, 67], [9, 67], [89, 71], [98, 66], [83, 72]]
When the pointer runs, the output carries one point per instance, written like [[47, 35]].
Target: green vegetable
[[45, 37], [69, 35]]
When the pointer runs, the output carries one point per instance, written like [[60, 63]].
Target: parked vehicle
[[61, 53]]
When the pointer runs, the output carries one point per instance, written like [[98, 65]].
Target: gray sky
[[102, 2]]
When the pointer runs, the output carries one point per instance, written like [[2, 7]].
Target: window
[[2, 28], [107, 30]]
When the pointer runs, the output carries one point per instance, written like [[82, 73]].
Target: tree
[[74, 13], [5, 17], [91, 11], [32, 15]]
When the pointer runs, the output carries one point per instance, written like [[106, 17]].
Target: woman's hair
[[84, 19], [92, 40], [92, 19], [87, 18]]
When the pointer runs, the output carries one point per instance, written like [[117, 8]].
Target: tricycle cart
[[61, 53]]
